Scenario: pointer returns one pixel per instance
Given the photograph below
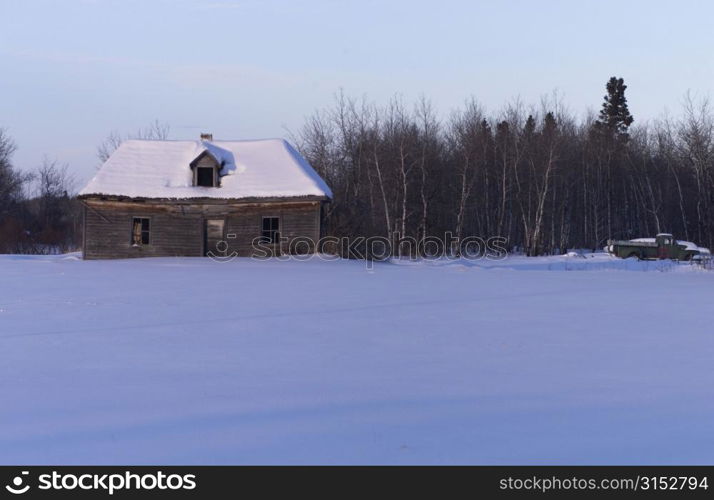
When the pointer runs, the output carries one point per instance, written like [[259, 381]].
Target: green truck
[[664, 246]]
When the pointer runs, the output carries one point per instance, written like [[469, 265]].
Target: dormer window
[[206, 171]]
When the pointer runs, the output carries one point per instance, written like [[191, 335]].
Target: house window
[[205, 176], [271, 229], [140, 231], [214, 229]]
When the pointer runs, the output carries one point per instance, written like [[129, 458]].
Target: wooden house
[[194, 198]]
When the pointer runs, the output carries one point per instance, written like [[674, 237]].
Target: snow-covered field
[[551, 360]]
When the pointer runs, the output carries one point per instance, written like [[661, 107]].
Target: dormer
[[206, 171]]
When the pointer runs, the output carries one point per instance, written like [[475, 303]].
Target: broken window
[[271, 229], [205, 176], [140, 231], [214, 229]]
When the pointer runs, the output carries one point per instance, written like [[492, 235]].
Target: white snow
[[251, 169], [553, 360], [693, 246]]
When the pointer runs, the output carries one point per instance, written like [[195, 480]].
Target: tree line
[[538, 176], [38, 212]]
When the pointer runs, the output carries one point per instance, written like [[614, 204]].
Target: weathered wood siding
[[296, 221], [177, 229]]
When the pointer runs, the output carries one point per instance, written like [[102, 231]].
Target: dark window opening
[[204, 176], [140, 231], [271, 229]]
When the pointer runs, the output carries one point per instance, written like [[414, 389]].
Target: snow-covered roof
[[269, 168]]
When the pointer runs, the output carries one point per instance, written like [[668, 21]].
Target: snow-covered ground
[[551, 360]]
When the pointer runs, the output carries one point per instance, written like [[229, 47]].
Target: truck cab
[[667, 247]]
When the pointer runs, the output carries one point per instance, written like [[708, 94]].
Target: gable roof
[[269, 168]]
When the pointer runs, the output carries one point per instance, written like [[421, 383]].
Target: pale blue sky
[[74, 70]]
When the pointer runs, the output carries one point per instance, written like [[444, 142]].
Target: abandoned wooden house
[[206, 197]]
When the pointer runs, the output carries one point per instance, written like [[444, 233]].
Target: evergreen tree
[[549, 123], [615, 118]]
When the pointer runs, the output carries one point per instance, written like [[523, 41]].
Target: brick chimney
[[206, 136]]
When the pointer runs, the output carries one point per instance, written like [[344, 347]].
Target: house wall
[[177, 229]]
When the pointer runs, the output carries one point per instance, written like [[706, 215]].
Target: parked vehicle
[[664, 246]]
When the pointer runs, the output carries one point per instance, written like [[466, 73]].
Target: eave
[[203, 200]]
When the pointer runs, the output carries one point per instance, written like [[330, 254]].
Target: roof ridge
[[282, 139]]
